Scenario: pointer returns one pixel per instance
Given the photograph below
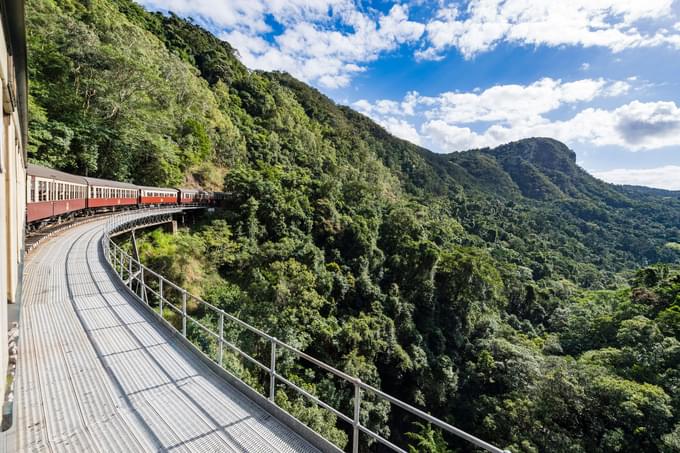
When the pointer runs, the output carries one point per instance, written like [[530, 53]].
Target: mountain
[[505, 290]]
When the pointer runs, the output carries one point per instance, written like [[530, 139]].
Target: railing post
[[272, 372], [119, 268], [160, 295], [142, 286], [221, 356], [130, 273], [184, 313], [357, 413]]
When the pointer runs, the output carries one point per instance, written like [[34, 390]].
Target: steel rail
[[135, 271]]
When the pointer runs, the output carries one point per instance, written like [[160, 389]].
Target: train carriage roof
[[189, 190], [44, 172], [169, 189], [109, 183]]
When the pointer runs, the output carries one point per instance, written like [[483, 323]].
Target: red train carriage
[[158, 196], [194, 196], [104, 194], [189, 196], [52, 193]]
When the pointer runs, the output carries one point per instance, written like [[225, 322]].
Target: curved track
[[96, 374]]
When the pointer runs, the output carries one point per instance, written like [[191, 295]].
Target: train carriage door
[[32, 189]]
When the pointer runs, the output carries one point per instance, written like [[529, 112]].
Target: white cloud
[[329, 41], [607, 23], [402, 129], [388, 107], [499, 103], [519, 102], [635, 126], [323, 41], [250, 14], [667, 177], [454, 121]]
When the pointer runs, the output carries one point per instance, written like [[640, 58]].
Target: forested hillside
[[504, 290]]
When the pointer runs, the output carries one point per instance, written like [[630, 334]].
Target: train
[[55, 196]]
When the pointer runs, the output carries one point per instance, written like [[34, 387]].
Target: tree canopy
[[504, 290]]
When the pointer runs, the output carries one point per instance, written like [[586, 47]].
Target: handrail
[[123, 264]]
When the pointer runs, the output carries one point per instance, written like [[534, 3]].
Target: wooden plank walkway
[[97, 374]]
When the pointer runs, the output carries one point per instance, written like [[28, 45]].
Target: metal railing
[[132, 272]]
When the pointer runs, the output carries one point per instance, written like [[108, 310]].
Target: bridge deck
[[96, 373]]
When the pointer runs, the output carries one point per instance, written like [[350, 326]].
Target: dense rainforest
[[503, 290]]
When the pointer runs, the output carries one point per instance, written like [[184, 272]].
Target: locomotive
[[55, 196]]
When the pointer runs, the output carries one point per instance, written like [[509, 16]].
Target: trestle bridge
[[101, 368]]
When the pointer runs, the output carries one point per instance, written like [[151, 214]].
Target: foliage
[[504, 290]]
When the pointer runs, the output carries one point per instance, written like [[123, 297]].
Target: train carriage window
[[32, 196], [42, 190]]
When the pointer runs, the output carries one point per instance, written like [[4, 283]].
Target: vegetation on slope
[[498, 288]]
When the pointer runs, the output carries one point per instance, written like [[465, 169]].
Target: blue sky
[[600, 75]]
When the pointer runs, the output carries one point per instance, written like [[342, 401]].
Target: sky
[[603, 76]]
